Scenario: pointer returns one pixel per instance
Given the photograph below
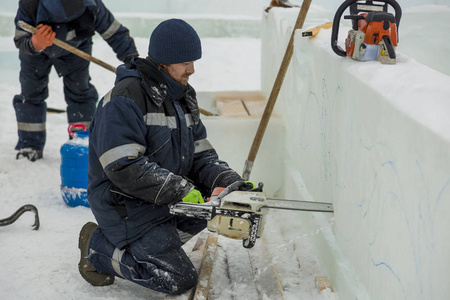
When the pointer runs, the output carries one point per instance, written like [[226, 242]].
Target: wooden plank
[[323, 283], [233, 103], [232, 106], [255, 106], [209, 254]]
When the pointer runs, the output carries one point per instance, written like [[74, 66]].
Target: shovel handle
[[84, 55], [275, 91], [69, 48]]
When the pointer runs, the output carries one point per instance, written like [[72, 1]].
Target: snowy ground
[[43, 264]]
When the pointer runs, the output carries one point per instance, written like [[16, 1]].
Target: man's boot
[[85, 267], [32, 154]]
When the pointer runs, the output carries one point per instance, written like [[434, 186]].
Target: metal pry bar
[[19, 212]]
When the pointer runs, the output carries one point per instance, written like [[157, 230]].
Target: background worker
[[148, 149], [73, 22]]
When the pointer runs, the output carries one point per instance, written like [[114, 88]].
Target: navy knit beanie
[[174, 41]]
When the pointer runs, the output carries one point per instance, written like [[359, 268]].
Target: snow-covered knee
[[183, 283]]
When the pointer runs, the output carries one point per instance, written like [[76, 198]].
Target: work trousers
[[30, 106], [155, 261]]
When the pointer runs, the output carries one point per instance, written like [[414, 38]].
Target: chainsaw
[[374, 33], [238, 213]]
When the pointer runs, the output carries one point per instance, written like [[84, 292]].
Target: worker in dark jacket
[[148, 148], [73, 22]]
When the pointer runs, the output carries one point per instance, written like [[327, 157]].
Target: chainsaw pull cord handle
[[337, 17]]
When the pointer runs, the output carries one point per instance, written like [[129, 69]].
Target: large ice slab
[[373, 139]]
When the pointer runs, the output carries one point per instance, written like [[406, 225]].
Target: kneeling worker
[[148, 148]]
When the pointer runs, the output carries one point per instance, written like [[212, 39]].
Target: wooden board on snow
[[204, 277], [256, 275], [231, 107], [240, 103], [255, 106]]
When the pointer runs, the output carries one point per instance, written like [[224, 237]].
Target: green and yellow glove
[[194, 196], [254, 186]]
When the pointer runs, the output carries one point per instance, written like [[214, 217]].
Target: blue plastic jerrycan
[[74, 168]]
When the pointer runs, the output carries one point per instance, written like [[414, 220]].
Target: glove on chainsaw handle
[[237, 186], [43, 37], [251, 186]]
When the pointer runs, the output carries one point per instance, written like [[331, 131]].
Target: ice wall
[[372, 139]]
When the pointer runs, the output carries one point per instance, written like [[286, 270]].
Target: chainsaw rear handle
[[337, 17], [236, 186]]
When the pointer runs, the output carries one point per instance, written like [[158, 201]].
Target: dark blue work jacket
[[74, 23], [147, 150]]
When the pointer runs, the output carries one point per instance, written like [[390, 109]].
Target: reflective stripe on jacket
[[146, 151]]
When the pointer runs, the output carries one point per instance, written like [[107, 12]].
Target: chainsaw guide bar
[[299, 205], [241, 214]]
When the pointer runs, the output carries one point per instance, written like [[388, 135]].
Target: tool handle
[[84, 55], [69, 48], [205, 112], [275, 90]]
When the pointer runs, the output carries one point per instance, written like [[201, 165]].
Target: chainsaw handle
[[335, 29], [337, 17]]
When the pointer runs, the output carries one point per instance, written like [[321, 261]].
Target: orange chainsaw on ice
[[374, 33]]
